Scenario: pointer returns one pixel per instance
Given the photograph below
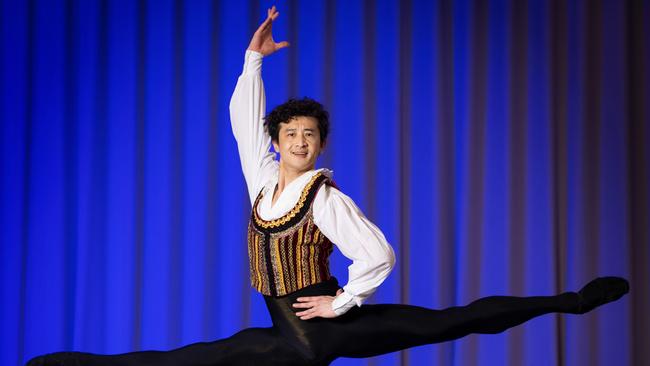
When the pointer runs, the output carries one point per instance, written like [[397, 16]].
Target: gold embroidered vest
[[288, 253]]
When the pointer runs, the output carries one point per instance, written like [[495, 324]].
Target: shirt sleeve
[[343, 223], [247, 108]]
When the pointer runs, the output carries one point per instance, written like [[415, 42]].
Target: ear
[[276, 147]]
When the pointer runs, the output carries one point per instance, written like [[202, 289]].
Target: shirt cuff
[[344, 302], [252, 62]]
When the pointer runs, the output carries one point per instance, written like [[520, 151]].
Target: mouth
[[300, 154]]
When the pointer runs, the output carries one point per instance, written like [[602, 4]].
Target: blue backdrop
[[502, 147]]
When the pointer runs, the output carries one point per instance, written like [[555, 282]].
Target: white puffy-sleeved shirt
[[335, 214]]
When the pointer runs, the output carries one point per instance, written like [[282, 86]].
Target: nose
[[301, 141]]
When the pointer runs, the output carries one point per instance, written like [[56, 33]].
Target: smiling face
[[299, 144]]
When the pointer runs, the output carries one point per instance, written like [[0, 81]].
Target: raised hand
[[262, 41]]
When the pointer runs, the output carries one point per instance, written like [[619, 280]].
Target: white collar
[[301, 180]]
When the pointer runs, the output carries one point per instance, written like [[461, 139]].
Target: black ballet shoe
[[601, 291]]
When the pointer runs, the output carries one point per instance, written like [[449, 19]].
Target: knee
[[316, 357]]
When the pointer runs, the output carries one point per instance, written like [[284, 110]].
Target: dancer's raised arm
[[247, 108]]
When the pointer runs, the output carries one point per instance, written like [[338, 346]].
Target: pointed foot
[[601, 291]]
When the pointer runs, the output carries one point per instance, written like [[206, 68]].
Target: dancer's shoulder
[[330, 198]]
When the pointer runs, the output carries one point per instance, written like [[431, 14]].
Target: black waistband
[[328, 287]]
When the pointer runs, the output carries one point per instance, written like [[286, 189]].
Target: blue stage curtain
[[503, 147]]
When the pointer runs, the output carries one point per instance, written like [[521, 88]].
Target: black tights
[[364, 331]]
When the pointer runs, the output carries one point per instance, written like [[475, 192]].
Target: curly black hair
[[305, 107]]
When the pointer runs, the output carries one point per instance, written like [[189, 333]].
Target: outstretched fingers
[[262, 40], [312, 312], [312, 305], [305, 302], [271, 15], [308, 298]]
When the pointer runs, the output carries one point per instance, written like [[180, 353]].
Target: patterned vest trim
[[288, 253]]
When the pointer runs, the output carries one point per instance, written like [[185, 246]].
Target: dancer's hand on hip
[[316, 306], [262, 41]]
